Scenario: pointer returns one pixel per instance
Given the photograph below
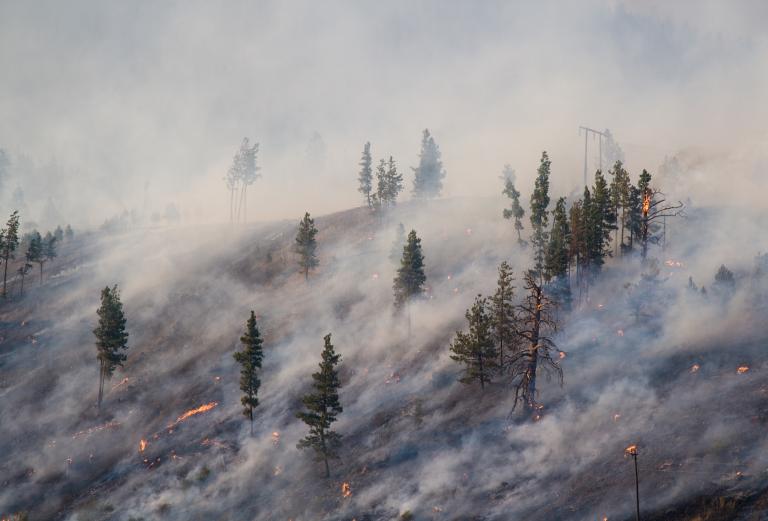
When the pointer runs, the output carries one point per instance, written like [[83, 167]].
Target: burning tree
[[111, 336], [503, 317], [322, 407], [306, 245], [250, 363], [655, 208], [476, 349], [515, 211], [9, 241], [535, 321]]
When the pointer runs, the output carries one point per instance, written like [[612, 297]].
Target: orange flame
[[142, 445], [695, 368], [192, 412], [742, 369], [346, 490], [562, 354], [275, 438], [646, 203], [631, 450]]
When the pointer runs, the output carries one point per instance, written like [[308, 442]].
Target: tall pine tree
[[558, 254], [540, 215], [410, 278], [476, 349], [322, 406], [502, 313], [515, 211], [306, 245], [111, 336], [250, 364], [428, 176], [9, 241], [365, 177]]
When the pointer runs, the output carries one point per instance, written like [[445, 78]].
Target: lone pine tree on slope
[[111, 336], [428, 176], [410, 278], [365, 177], [306, 245], [475, 349], [250, 363], [322, 407]]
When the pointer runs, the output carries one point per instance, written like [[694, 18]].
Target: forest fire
[[646, 203], [87, 432], [631, 450], [742, 369], [346, 490], [192, 412], [142, 445]]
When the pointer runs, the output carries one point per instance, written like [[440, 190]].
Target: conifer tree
[[502, 313], [250, 359], [578, 245], [382, 197], [36, 251], [22, 271], [558, 254], [476, 349], [394, 182], [535, 323], [59, 234], [9, 241], [410, 278], [603, 219], [620, 199], [322, 407], [539, 214], [69, 233], [428, 176], [306, 245], [365, 177], [49, 246], [111, 336], [515, 211]]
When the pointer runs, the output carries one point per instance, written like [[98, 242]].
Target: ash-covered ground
[[647, 361]]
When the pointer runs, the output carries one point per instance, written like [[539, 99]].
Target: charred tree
[[536, 322]]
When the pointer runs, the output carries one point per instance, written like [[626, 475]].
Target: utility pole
[[599, 135], [632, 451]]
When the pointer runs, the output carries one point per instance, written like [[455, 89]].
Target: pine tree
[[515, 211], [558, 254], [428, 176], [502, 313], [539, 214], [241, 174], [36, 252], [111, 336], [69, 233], [365, 177], [59, 234], [604, 219], [476, 349], [535, 322], [410, 278], [620, 199], [578, 244], [49, 246], [394, 182], [322, 406], [306, 245], [9, 241], [250, 364]]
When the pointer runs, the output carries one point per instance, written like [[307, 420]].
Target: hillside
[[646, 361]]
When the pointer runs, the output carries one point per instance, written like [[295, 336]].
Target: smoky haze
[[141, 104]]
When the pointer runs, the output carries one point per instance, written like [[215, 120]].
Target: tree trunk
[[5, 275], [101, 384]]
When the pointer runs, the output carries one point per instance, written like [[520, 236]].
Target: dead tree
[[655, 208], [536, 322]]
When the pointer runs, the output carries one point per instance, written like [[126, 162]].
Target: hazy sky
[[124, 92]]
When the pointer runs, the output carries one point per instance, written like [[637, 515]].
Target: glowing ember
[[742, 369], [275, 438], [616, 417], [192, 412], [278, 470], [673, 263], [468, 231], [646, 203], [695, 368], [600, 306], [562, 354], [620, 332], [142, 445], [346, 490], [631, 450], [449, 277], [87, 432]]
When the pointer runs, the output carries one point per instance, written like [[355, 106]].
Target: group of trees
[[383, 193], [509, 339], [37, 249], [321, 404], [609, 219], [241, 174]]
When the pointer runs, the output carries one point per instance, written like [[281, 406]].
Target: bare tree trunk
[[101, 384], [5, 275]]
